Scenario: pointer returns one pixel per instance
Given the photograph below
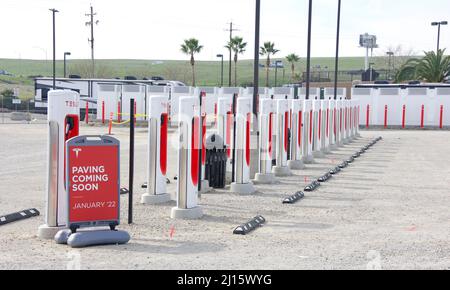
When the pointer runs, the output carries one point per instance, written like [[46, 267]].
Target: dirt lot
[[388, 210]]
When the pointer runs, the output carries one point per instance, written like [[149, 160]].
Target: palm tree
[[191, 47], [434, 68], [293, 59], [267, 50], [237, 45]]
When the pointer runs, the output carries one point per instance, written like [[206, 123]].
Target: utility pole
[[336, 65], [54, 11], [308, 57], [231, 29], [91, 23]]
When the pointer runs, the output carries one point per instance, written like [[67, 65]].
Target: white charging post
[[332, 125], [325, 127], [317, 129], [158, 122], [307, 151], [282, 131], [265, 176], [297, 138], [243, 185], [63, 124], [188, 160], [225, 124]]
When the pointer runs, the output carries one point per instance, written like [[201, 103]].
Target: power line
[[231, 29], [91, 23]]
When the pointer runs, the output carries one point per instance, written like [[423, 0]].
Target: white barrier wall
[[108, 98], [314, 93], [138, 93], [329, 93], [175, 94], [409, 107], [210, 100], [281, 93]]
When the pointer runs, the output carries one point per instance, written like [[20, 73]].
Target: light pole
[[65, 59], [221, 74], [336, 65], [277, 63], [390, 55], [256, 60], [438, 24], [308, 57], [54, 11]]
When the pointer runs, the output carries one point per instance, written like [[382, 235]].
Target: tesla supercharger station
[[332, 125], [188, 160], [317, 129], [282, 131], [242, 184], [325, 127], [158, 122], [307, 150], [265, 175], [225, 124], [63, 124], [297, 138]]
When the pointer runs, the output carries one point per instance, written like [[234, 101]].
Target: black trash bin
[[216, 161]]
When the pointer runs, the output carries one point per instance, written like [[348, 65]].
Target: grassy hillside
[[208, 72]]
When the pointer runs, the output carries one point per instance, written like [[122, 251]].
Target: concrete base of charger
[[48, 233], [186, 214], [296, 165], [281, 171], [244, 189], [155, 198], [268, 178]]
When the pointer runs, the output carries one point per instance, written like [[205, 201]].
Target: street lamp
[[277, 63], [438, 24], [390, 55], [65, 54], [336, 60], [221, 74], [54, 11]]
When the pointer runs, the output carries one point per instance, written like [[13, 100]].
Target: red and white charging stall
[[188, 160], [158, 123], [63, 124], [297, 138], [317, 129], [324, 121], [282, 140], [307, 151], [242, 184], [266, 110], [332, 124], [225, 121]]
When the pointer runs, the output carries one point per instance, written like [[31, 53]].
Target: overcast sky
[[150, 29]]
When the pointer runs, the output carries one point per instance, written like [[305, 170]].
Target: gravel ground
[[388, 210]]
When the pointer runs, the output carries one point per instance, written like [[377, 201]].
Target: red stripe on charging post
[[103, 112], [310, 126], [320, 123], [422, 117], [367, 116], [328, 123], [300, 125], [286, 130], [385, 116], [441, 118], [247, 138], [163, 143], [404, 117]]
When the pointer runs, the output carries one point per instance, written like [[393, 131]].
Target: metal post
[[439, 38], [256, 58], [221, 75], [336, 69], [54, 11], [131, 165], [308, 58], [64, 65]]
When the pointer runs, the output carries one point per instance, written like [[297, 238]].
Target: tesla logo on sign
[[77, 151]]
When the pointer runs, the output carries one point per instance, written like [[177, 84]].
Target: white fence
[[409, 107]]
